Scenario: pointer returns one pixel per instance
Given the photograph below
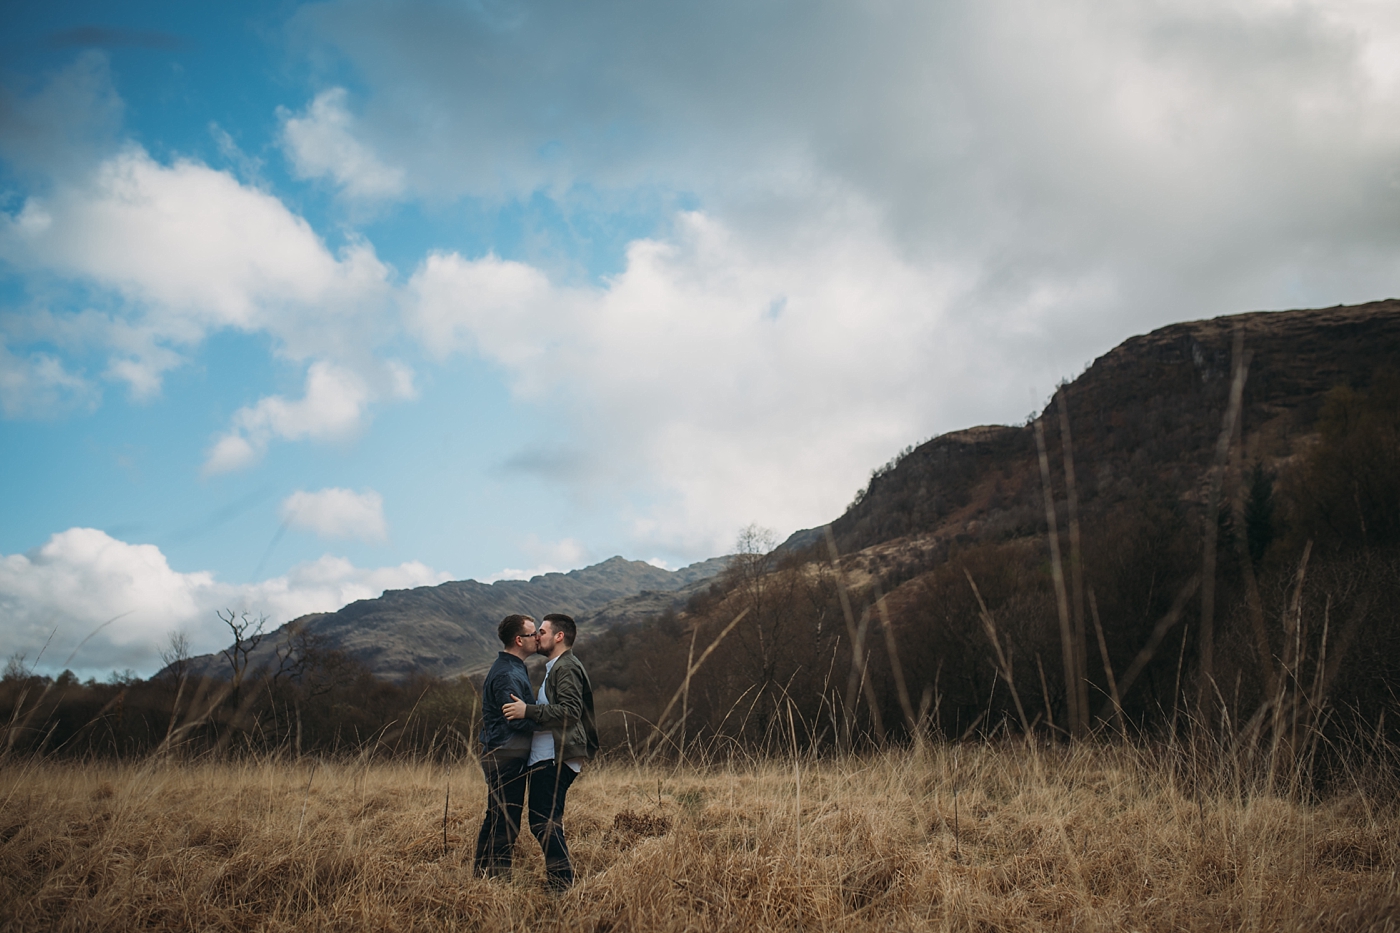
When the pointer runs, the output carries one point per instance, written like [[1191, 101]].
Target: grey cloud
[[108, 37], [1038, 181], [560, 464], [38, 386], [63, 127], [1195, 156]]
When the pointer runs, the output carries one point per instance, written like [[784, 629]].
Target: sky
[[303, 301]]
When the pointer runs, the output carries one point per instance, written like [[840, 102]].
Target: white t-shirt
[[542, 745]]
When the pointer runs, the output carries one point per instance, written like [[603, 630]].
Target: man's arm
[[494, 695]]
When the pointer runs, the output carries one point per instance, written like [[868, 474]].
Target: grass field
[[945, 837]]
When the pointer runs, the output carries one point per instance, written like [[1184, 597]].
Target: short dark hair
[[562, 623], [511, 627]]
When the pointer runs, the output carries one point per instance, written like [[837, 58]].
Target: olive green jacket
[[569, 712]]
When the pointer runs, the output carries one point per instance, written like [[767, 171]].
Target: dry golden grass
[[939, 838]]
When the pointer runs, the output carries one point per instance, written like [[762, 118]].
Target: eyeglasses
[[530, 635]]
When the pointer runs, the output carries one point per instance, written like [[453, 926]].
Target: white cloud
[[171, 253], [552, 556], [124, 599], [193, 248], [321, 144], [505, 311], [330, 408], [190, 251], [1040, 139], [38, 384], [333, 406], [82, 578], [911, 214], [133, 349], [328, 583], [337, 513], [728, 380]]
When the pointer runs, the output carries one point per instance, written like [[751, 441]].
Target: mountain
[[1145, 415], [945, 603], [450, 629], [1145, 419], [955, 532]]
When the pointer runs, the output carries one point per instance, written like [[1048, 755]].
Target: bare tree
[[296, 652], [175, 656], [748, 572], [14, 667], [247, 633]]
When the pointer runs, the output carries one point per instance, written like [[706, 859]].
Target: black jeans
[[549, 785], [505, 798]]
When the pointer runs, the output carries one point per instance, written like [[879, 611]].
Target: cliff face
[[1144, 417]]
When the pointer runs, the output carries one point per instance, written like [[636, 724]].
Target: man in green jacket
[[565, 738]]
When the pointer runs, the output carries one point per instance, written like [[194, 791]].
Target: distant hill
[[450, 629]]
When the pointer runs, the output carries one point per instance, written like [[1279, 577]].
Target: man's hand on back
[[515, 709]]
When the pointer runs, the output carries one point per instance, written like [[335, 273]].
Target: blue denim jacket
[[508, 739]]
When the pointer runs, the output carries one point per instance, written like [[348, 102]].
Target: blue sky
[[303, 301]]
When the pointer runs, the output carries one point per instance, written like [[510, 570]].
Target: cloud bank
[[900, 220], [143, 260], [93, 603], [729, 378], [914, 217]]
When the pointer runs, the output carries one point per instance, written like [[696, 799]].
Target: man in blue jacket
[[505, 747]]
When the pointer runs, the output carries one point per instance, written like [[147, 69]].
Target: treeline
[[965, 637], [322, 703]]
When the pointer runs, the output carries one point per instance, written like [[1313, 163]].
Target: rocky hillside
[[450, 629], [1144, 416]]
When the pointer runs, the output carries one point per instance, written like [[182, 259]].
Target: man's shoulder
[[568, 661], [505, 663]]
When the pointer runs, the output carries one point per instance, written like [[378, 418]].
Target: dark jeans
[[505, 798], [549, 785]]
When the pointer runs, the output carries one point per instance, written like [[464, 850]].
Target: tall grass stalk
[[1078, 720], [1076, 560], [1223, 445]]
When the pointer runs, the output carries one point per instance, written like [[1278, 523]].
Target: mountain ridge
[[449, 629]]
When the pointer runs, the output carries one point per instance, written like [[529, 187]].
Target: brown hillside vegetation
[[939, 837], [1230, 562], [1145, 415]]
